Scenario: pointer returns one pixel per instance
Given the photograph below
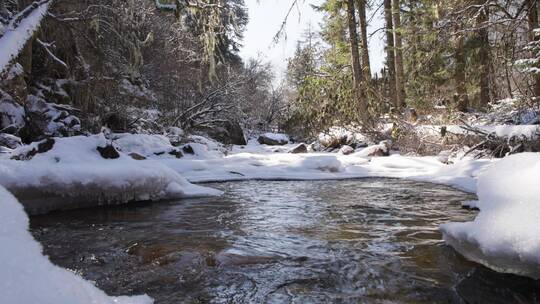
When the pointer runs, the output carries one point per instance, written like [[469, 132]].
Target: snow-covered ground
[[29, 277]]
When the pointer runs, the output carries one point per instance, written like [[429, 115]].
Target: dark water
[[358, 241]]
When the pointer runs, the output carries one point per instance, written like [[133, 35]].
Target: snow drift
[[505, 236], [29, 277]]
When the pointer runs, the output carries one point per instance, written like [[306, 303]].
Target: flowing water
[[355, 241]]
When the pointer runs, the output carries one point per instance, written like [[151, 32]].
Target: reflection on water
[[357, 241]]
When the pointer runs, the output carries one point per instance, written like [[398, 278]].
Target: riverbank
[[148, 167]]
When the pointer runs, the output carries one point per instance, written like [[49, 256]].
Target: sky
[[266, 17]]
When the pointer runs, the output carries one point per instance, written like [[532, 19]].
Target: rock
[[336, 137], [10, 141], [42, 147], [273, 139], [301, 148], [176, 153], [228, 133], [136, 156], [115, 121], [11, 129], [188, 149], [382, 149], [483, 285], [108, 152], [45, 145], [346, 150]]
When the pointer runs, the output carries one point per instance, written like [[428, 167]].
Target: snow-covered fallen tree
[[28, 276], [20, 29], [505, 236]]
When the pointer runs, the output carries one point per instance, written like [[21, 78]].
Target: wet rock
[[136, 156], [108, 152], [346, 150], [176, 153], [10, 141], [301, 148], [486, 286], [188, 149]]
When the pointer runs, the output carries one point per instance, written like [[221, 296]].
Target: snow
[[260, 162], [505, 131], [505, 234], [143, 144], [280, 137], [73, 167], [15, 37], [28, 276], [343, 135], [503, 237]]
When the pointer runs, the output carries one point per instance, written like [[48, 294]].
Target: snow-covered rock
[[144, 144], [505, 236], [10, 141], [273, 139], [346, 150], [336, 137], [301, 148], [28, 276], [382, 149]]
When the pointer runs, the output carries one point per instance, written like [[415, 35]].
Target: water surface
[[355, 241]]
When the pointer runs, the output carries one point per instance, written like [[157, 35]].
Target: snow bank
[[16, 36], [29, 277], [74, 168], [505, 236]]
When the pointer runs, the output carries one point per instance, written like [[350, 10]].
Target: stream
[[352, 241]]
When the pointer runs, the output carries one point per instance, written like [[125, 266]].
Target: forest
[[143, 159]]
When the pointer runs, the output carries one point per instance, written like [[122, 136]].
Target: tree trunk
[[483, 38], [398, 50], [355, 58], [460, 98], [533, 23], [364, 40], [390, 60]]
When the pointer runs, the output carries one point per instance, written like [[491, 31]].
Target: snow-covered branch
[[21, 29]]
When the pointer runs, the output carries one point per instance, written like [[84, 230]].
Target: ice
[[28, 276], [505, 234]]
